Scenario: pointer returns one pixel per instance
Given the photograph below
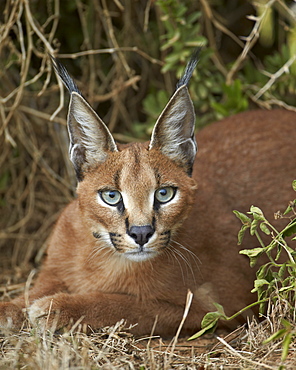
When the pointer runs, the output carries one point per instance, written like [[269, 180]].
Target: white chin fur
[[139, 256]]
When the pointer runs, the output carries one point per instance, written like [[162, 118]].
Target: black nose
[[141, 234]]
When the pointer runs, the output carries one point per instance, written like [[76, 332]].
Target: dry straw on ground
[[115, 348], [37, 180]]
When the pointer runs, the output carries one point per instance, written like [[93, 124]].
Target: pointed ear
[[90, 139], [173, 133]]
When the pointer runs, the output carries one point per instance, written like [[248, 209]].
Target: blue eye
[[164, 195], [111, 197]]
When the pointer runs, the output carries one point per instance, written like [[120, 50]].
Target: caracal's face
[[135, 201]]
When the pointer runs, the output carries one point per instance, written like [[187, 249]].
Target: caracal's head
[[133, 197]]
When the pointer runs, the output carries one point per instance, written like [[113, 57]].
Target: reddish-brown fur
[[243, 160]]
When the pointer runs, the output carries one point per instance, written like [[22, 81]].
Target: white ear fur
[[90, 139], [173, 133]]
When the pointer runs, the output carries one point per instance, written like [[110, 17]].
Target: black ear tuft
[[184, 80], [64, 75], [90, 140]]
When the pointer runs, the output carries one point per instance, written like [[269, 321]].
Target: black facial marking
[[156, 205], [153, 223], [157, 177], [116, 177], [96, 235], [126, 225], [165, 238], [121, 207], [115, 234], [115, 240]]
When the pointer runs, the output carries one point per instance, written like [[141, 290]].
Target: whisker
[[178, 249], [181, 255], [179, 263], [101, 247], [188, 250], [197, 261], [103, 251]]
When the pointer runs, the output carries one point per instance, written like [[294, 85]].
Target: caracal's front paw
[[51, 313], [11, 316]]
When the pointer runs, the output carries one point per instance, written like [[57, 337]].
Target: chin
[[140, 256]]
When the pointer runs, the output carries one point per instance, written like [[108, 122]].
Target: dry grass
[[115, 348], [37, 180]]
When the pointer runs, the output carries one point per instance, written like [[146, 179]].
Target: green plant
[[275, 280], [234, 100], [182, 33]]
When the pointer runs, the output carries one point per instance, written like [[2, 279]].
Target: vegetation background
[[126, 56]]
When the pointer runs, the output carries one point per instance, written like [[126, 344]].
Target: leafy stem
[[275, 281], [210, 320]]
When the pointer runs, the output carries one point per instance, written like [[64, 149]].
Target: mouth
[[140, 255]]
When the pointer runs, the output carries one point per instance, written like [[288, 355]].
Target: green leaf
[[253, 254], [289, 281], [294, 185], [290, 229], [286, 288], [220, 309], [193, 17], [257, 211], [244, 218], [264, 228], [286, 345], [279, 251], [261, 273], [279, 334], [175, 37], [219, 108], [288, 210], [282, 271], [210, 319], [259, 284], [203, 331], [286, 324], [241, 234], [258, 217], [254, 226], [208, 324]]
